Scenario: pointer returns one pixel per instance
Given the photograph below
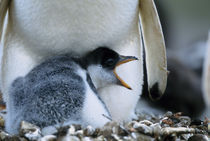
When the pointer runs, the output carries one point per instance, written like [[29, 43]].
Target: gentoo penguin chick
[[60, 91]]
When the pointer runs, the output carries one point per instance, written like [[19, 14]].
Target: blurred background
[[185, 24]]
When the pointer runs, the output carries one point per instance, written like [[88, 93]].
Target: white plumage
[[206, 75]]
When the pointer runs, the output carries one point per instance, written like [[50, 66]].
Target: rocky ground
[[167, 127]]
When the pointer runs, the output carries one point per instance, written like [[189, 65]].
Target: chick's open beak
[[123, 60]]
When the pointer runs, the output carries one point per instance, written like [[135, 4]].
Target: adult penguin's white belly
[[51, 26], [38, 29]]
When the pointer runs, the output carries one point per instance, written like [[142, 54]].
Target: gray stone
[[89, 131], [30, 131], [198, 137], [48, 138]]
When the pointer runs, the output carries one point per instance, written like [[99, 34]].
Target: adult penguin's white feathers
[[206, 74], [39, 29]]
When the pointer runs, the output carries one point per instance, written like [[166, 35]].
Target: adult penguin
[[39, 29], [206, 75]]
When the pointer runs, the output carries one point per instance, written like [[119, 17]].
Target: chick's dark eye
[[109, 62]]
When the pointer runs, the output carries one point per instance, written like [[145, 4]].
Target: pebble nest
[[167, 127]]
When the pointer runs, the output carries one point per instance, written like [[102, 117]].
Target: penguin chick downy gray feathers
[[60, 91]]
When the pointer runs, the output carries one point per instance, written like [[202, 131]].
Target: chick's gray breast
[[53, 92]]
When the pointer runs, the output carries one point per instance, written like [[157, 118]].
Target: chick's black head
[[103, 56], [101, 64]]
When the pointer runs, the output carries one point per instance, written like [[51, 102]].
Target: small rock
[[70, 138], [142, 128], [86, 139], [30, 131], [171, 137], [185, 136], [3, 135], [89, 131], [168, 114], [143, 137], [107, 130], [175, 130], [72, 130], [48, 138], [80, 133], [14, 138], [134, 136], [116, 137], [26, 127], [100, 138], [6, 137], [97, 132], [184, 121], [166, 122], [33, 135], [122, 131], [156, 129], [175, 121], [130, 124], [177, 115], [77, 126], [198, 137], [62, 131], [128, 138], [146, 122]]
